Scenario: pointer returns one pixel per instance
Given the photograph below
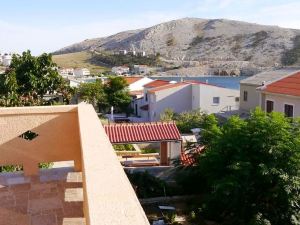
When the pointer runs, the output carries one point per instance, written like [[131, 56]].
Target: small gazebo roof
[[142, 132]]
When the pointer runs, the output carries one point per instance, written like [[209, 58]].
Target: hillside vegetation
[[79, 59]]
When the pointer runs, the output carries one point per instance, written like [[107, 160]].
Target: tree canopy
[[114, 93], [28, 79], [249, 173]]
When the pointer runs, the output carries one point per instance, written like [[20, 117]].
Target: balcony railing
[[63, 133]]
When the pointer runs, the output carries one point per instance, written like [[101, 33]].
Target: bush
[[148, 186], [124, 147]]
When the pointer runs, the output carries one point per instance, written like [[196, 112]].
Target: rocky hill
[[202, 40]]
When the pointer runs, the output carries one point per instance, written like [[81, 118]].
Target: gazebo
[[134, 133]]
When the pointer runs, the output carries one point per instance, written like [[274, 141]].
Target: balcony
[[94, 191]]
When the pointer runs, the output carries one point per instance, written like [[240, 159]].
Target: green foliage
[[112, 93], [149, 150], [16, 168], [187, 120], [130, 60], [249, 173], [146, 185], [92, 93], [116, 90], [168, 115], [125, 147], [28, 79], [292, 56]]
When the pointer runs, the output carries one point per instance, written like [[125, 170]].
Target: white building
[[186, 96], [6, 59], [66, 71], [250, 96], [120, 70], [123, 52], [142, 54], [75, 82], [81, 72], [137, 83], [282, 96], [141, 69]]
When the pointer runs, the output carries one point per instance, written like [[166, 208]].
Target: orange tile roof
[[156, 83], [287, 86], [165, 87], [134, 93], [131, 80], [142, 132]]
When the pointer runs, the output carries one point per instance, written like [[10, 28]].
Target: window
[[245, 96], [216, 100], [269, 106], [237, 99], [146, 97], [289, 110]]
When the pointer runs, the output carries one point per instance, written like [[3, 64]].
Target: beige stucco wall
[[203, 98], [253, 97], [58, 138], [177, 98], [280, 101], [73, 133]]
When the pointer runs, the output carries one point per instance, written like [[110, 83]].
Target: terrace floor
[[53, 198]]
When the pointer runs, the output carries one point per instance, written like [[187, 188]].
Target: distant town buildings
[[120, 70], [5, 59], [66, 71], [133, 53], [81, 72]]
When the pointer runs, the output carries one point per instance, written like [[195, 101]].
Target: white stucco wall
[[280, 101], [253, 100], [177, 98], [203, 95]]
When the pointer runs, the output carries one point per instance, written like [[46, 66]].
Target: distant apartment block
[[120, 70], [66, 71], [81, 72]]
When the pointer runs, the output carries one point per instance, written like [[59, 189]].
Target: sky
[[48, 25]]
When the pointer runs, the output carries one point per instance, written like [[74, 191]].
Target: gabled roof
[[287, 86], [156, 83], [165, 87], [131, 80], [269, 76], [142, 132]]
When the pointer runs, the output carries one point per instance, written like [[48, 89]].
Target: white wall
[[253, 100], [280, 101], [177, 98], [202, 98]]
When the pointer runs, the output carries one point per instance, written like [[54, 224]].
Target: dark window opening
[[288, 110], [270, 106], [29, 135], [245, 96]]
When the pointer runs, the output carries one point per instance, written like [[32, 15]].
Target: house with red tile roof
[[282, 95], [186, 96]]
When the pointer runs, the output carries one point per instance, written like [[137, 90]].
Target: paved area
[[53, 198]]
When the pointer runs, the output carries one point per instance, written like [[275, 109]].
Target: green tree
[[185, 121], [93, 93], [167, 115], [249, 173], [28, 79], [116, 90]]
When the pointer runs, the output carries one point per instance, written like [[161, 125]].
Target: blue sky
[[47, 25]]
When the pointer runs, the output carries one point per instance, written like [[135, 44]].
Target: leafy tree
[[249, 173], [28, 79], [117, 94], [93, 93], [167, 115]]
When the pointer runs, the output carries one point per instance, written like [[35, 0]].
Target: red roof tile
[[190, 158], [287, 86], [131, 80], [165, 87], [156, 83], [142, 132]]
